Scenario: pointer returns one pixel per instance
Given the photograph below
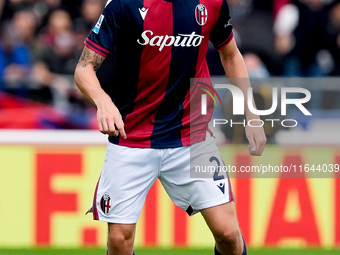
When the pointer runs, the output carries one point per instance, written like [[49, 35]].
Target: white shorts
[[128, 174]]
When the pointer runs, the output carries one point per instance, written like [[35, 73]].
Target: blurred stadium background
[[51, 153]]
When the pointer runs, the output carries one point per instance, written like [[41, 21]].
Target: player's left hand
[[257, 140]]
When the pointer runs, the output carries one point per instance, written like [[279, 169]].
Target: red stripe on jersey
[[202, 72], [153, 74]]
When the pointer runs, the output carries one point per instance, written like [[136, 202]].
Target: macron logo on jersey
[[98, 25], [161, 41], [143, 12]]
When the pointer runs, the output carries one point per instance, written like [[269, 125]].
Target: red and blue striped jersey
[[160, 45]]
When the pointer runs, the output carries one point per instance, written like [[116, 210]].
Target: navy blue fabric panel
[[182, 68], [105, 31], [128, 60], [120, 71], [128, 57]]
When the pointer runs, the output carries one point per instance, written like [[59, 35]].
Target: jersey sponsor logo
[[98, 25], [161, 41], [143, 12], [105, 203], [201, 14]]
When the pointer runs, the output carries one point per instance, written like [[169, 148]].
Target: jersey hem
[[194, 138]]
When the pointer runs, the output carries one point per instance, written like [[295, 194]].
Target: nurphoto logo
[[238, 97]]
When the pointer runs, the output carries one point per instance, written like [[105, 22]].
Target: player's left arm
[[237, 73]]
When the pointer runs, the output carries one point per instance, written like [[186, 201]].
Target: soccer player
[[153, 133]]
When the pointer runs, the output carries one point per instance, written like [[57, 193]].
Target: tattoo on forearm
[[90, 57]]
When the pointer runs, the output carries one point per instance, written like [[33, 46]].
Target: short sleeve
[[222, 33], [104, 34]]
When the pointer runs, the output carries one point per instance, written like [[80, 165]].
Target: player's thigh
[[222, 220]]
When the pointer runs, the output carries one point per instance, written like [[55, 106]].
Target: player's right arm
[[108, 117]]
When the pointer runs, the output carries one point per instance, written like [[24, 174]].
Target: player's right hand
[[109, 120]]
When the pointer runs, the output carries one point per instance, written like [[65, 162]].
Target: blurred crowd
[[40, 45], [289, 38], [41, 41]]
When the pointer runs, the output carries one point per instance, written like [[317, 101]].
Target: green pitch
[[165, 252]]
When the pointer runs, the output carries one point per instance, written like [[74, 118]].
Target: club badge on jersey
[[201, 14]]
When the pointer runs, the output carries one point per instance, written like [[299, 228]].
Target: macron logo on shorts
[[221, 187]]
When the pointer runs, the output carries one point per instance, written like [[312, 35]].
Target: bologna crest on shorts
[[201, 14], [105, 203]]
